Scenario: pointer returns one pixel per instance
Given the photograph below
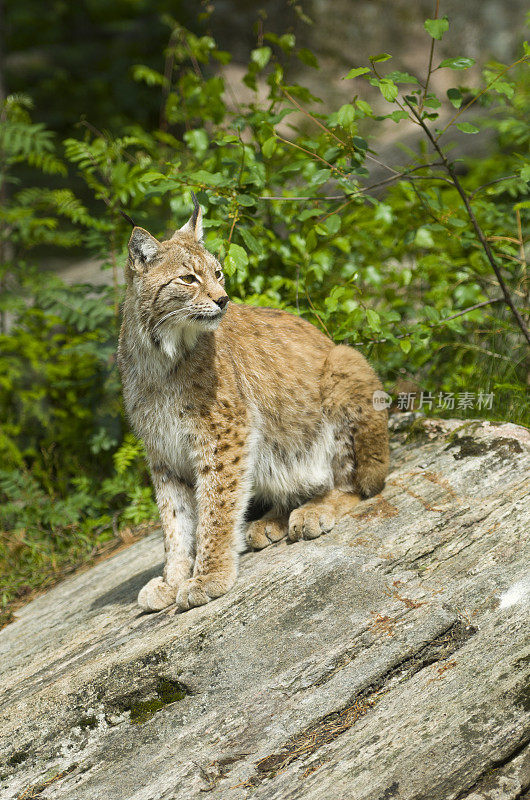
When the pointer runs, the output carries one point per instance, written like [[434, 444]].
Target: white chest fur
[[293, 471], [159, 419]]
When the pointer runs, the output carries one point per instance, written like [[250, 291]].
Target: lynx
[[237, 403]]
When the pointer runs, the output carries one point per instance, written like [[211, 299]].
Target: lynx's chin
[[178, 336]]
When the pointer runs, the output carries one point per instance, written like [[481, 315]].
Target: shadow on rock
[[127, 591]]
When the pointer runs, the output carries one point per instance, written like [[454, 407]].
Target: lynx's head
[[178, 285]]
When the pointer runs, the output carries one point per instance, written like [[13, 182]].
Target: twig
[[490, 183], [478, 230], [236, 217], [310, 153], [476, 97], [429, 70], [363, 189], [315, 312], [524, 282], [168, 75], [441, 321], [327, 130]]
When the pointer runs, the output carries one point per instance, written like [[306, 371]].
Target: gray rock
[[388, 659]]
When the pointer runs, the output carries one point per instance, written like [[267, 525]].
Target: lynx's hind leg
[[272, 527], [320, 515], [361, 459]]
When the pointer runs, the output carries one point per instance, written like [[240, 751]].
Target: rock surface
[[388, 660]]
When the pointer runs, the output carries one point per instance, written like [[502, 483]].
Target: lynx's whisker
[[170, 314]]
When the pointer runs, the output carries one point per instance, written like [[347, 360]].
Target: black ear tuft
[[196, 210], [125, 216]]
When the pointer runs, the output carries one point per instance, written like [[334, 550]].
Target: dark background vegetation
[[388, 205]]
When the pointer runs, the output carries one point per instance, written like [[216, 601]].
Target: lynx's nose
[[222, 301]]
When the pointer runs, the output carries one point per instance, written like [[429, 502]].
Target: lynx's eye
[[218, 274], [188, 279]]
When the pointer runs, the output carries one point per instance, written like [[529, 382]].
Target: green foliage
[[385, 264]]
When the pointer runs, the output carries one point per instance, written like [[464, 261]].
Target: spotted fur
[[236, 403]]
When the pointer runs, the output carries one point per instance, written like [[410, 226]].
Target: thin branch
[[302, 197], [315, 312], [490, 183], [363, 189], [401, 175], [441, 321], [236, 217], [478, 230], [524, 281], [431, 54], [310, 153], [467, 310], [312, 118], [474, 99], [168, 76], [327, 130]]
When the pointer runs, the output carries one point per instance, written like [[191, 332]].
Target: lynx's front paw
[[266, 531], [201, 589], [156, 595]]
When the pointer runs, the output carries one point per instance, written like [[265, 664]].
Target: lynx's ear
[[143, 248], [194, 225]]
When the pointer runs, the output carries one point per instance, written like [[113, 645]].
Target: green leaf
[[383, 213], [401, 77], [346, 115], [380, 57], [373, 319], [359, 143], [333, 223], [467, 127], [388, 89], [269, 146], [423, 238], [436, 27], [457, 63], [236, 259], [355, 72], [308, 58], [365, 107], [208, 178], [287, 42], [431, 101], [525, 173], [399, 114], [250, 241], [197, 140], [455, 97], [405, 345], [261, 56]]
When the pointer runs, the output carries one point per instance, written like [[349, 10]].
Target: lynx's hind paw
[[156, 595], [318, 516], [309, 523]]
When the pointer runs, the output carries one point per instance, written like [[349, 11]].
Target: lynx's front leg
[[176, 505], [222, 493]]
